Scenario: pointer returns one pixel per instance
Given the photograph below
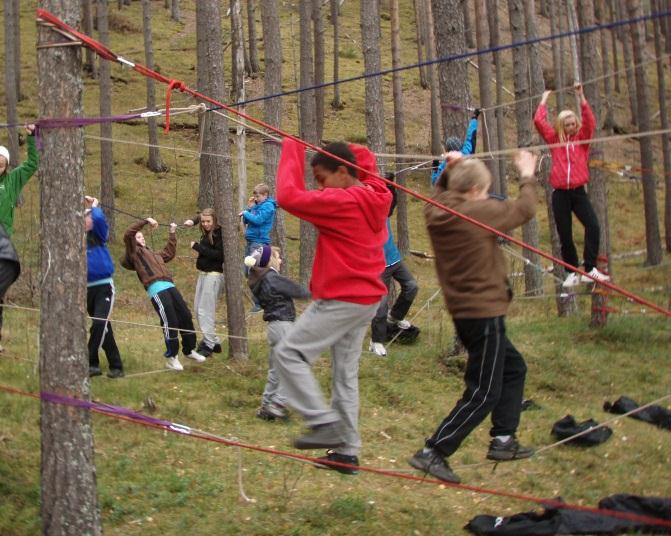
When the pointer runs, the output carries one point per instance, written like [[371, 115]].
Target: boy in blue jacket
[[452, 143], [100, 292]]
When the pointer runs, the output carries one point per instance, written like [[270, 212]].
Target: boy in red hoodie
[[349, 211]]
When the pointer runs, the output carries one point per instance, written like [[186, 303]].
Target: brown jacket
[[469, 263], [149, 265]]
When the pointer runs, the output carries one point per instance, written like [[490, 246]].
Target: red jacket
[[569, 162], [351, 224]]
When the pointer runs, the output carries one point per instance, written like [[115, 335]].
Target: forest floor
[[153, 482]]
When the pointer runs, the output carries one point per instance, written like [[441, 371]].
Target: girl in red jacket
[[570, 173]]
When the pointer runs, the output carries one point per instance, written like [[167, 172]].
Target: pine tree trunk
[[468, 27], [251, 32], [17, 48], [561, 24], [272, 41], [68, 502], [336, 103], [652, 237], [106, 147], [318, 24], [557, 60], [533, 279], [493, 25], [154, 162], [664, 118], [598, 188], [402, 234], [572, 19], [370, 42], [219, 172], [420, 33], [206, 184], [613, 39], [448, 26], [308, 132], [11, 74], [628, 60], [174, 11], [87, 24], [238, 95], [600, 14], [485, 85], [432, 70]]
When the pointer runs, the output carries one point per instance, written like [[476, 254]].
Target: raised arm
[[20, 175], [170, 249], [541, 123]]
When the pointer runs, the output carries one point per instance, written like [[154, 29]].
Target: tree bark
[[533, 279], [572, 19], [370, 42], [238, 62], [272, 80], [68, 476], [218, 170], [11, 74], [336, 103], [87, 24], [485, 84], [308, 132], [600, 14], [251, 32], [613, 40], [318, 24], [627, 59], [174, 11], [557, 60], [206, 184], [420, 33], [106, 147], [468, 27], [154, 162], [598, 188], [448, 25], [664, 120], [493, 25], [652, 237], [562, 26], [436, 138], [402, 233], [17, 48]]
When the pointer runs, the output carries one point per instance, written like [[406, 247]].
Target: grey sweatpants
[[277, 329], [340, 326], [208, 289]]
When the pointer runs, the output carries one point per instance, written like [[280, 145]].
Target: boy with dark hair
[[100, 291], [349, 211], [472, 273], [452, 143]]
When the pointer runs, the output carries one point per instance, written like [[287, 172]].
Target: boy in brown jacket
[[472, 273], [166, 299]]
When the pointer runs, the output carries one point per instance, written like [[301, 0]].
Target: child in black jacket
[[275, 294]]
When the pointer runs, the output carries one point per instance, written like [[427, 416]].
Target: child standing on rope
[[349, 210], [166, 299], [210, 285], [100, 292], [275, 293], [11, 184], [568, 177], [472, 273], [452, 143]]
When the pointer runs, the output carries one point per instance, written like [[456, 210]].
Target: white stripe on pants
[[340, 326], [208, 289]]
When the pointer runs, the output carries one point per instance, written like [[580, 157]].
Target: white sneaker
[[377, 348], [196, 357], [596, 274], [173, 363], [572, 280], [402, 324]]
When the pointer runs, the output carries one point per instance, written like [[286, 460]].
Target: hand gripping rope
[[105, 53]]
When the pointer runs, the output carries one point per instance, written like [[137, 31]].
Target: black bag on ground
[[567, 427], [405, 336], [657, 415]]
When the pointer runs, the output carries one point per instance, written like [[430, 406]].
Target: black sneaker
[[501, 451], [272, 411], [322, 436], [332, 456], [217, 348], [95, 371], [429, 461], [203, 349], [115, 373]]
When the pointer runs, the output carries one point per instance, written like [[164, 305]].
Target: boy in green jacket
[[11, 184]]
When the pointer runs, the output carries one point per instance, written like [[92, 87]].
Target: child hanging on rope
[[349, 210], [166, 299], [275, 293], [210, 285], [568, 177], [100, 292], [11, 184], [472, 273], [395, 269], [258, 222], [452, 143]]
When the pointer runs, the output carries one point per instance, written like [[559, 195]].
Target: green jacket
[[13, 182]]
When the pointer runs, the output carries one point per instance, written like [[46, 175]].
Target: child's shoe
[[572, 280], [596, 274], [377, 348], [196, 357], [272, 411], [173, 363]]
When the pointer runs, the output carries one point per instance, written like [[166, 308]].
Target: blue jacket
[[259, 221], [98, 259], [391, 253], [467, 148]]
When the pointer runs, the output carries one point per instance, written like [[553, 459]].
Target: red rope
[[185, 89], [382, 472]]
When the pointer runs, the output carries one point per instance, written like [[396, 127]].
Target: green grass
[[151, 482]]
